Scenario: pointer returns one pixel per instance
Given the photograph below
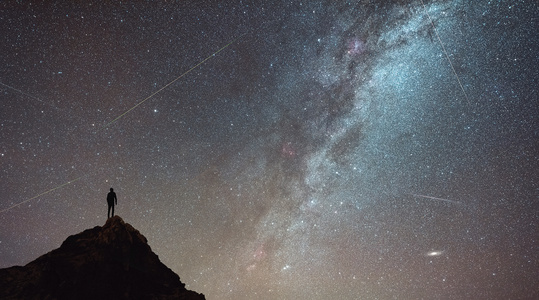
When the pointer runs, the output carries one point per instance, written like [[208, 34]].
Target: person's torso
[[111, 196]]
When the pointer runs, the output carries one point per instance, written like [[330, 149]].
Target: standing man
[[111, 200]]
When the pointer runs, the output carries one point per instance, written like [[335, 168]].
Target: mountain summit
[[109, 262]]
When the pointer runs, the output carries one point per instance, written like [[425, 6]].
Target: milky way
[[359, 150]]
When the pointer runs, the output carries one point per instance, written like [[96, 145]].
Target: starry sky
[[281, 149]]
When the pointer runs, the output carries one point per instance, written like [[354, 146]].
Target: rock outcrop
[[109, 262]]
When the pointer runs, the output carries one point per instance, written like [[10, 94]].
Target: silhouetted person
[[111, 200]]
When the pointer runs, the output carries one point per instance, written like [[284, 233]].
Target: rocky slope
[[109, 262]]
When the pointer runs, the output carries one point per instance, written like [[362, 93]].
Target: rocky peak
[[109, 262]]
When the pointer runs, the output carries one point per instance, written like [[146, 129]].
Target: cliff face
[[109, 262]]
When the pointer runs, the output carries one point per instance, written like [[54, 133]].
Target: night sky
[[330, 150]]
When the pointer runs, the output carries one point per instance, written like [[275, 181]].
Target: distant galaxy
[[435, 253], [281, 149]]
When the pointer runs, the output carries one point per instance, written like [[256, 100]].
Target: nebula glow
[[354, 150]]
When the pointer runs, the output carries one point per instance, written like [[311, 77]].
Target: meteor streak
[[168, 84], [436, 198], [445, 52], [27, 95], [117, 118], [46, 192]]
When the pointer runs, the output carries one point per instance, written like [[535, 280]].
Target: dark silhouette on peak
[[109, 262], [111, 201]]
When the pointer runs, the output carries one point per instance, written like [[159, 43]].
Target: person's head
[[111, 189]]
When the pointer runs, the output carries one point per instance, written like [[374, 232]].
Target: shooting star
[[445, 52], [28, 95], [46, 192], [168, 84], [117, 118], [436, 198]]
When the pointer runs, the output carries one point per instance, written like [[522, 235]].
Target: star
[[294, 150]]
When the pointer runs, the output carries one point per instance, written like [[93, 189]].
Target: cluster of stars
[[328, 151]]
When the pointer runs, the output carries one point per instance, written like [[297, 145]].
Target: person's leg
[[108, 212], [112, 210]]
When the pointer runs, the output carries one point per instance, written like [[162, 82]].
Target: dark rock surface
[[109, 262]]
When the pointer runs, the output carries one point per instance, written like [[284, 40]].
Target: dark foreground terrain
[[109, 262]]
